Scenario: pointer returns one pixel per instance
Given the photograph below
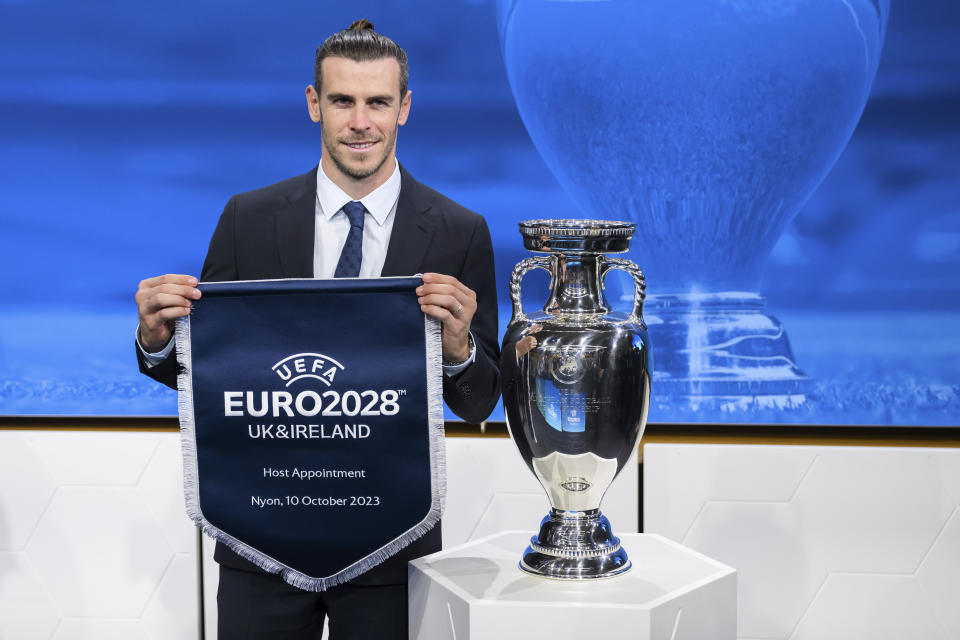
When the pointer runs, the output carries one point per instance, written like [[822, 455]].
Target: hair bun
[[361, 25]]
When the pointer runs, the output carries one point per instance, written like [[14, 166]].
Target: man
[[357, 214]]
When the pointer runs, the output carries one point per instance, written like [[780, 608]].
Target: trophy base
[[722, 348], [575, 545]]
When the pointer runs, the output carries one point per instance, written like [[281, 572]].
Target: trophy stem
[[575, 545]]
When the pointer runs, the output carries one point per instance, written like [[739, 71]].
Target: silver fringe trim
[[438, 469]]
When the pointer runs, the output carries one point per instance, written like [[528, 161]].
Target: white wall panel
[[829, 542], [939, 574], [81, 458], [27, 609], [94, 540], [211, 582], [97, 629], [26, 488], [98, 552], [490, 489]]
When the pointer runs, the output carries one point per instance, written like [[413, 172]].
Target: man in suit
[[358, 214]]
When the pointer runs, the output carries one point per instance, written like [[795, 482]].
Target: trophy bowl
[[576, 390]]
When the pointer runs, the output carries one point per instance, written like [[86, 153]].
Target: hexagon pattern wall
[[94, 541], [851, 543]]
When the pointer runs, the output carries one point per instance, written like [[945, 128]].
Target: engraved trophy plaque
[[576, 390]]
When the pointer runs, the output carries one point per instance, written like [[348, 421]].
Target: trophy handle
[[527, 264], [640, 283]]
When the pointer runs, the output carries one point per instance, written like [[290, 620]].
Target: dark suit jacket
[[269, 233]]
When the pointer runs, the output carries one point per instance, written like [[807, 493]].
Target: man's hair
[[361, 43]]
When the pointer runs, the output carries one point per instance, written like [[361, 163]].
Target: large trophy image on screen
[[708, 125], [576, 390]]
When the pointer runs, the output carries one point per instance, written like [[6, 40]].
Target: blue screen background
[[124, 129]]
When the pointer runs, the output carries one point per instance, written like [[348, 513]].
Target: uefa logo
[[307, 365]]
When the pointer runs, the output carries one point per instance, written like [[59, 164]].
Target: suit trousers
[[261, 606]]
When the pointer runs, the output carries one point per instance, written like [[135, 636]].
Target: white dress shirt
[[330, 234], [332, 225]]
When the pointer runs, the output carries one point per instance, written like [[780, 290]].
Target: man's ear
[[313, 103], [404, 109]]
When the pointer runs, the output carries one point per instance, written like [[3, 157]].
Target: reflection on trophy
[[576, 390], [708, 124]]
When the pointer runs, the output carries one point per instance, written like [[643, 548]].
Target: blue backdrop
[[126, 127]]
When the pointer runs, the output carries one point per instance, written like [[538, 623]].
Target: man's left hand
[[453, 304]]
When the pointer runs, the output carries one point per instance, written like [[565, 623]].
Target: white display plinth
[[476, 591]]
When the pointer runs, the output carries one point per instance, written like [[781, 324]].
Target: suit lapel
[[295, 226], [412, 230]]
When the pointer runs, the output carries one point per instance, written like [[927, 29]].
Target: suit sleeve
[[473, 393], [220, 264]]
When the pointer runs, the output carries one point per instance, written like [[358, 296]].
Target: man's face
[[359, 108]]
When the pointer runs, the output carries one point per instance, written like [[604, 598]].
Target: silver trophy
[[576, 390]]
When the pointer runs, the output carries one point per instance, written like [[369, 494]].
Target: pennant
[[311, 420]]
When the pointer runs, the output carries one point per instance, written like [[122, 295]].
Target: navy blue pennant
[[311, 420]]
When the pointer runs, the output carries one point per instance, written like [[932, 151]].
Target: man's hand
[[160, 301], [453, 304]]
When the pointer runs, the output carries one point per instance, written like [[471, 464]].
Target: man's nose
[[359, 119]]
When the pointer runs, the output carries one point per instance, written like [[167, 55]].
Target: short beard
[[357, 174]]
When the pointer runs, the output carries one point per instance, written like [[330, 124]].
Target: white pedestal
[[476, 591]]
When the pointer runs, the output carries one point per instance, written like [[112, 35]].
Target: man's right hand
[[160, 301]]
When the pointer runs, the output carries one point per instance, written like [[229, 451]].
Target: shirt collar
[[379, 202]]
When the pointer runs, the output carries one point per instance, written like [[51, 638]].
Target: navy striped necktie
[[352, 254]]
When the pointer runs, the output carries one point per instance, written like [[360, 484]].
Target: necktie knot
[[355, 211]]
